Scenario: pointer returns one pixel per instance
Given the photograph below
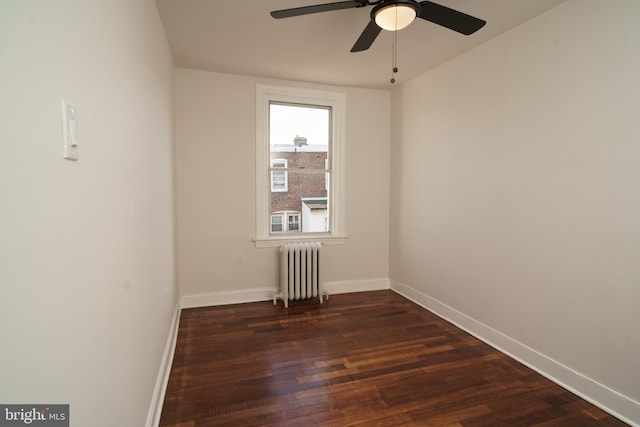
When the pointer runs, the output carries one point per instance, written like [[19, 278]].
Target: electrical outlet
[[239, 261]]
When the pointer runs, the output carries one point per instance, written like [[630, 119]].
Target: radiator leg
[[276, 294], [323, 296]]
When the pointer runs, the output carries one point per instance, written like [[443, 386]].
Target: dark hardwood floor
[[365, 359]]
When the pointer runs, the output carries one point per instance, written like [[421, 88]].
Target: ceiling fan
[[393, 15]]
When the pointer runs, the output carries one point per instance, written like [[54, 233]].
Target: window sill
[[277, 241]]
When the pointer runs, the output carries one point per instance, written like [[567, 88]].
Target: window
[[299, 149], [278, 177], [294, 222], [276, 223], [299, 164], [279, 226]]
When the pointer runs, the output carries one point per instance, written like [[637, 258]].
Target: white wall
[[87, 286], [215, 156], [515, 195]]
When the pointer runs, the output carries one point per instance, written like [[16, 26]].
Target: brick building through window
[[299, 194]]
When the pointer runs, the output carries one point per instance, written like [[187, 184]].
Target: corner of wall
[[623, 407]]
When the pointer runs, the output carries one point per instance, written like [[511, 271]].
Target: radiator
[[300, 273]]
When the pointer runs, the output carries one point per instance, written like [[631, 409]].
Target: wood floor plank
[[365, 359]]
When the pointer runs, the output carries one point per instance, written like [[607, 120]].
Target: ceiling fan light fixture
[[395, 15]]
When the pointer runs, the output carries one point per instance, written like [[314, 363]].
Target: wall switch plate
[[70, 132]]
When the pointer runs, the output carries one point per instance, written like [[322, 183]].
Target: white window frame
[[286, 176], [265, 94], [326, 175]]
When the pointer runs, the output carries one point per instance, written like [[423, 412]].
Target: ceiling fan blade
[[449, 18], [367, 37], [306, 10]]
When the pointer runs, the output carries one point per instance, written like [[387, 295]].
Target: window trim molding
[[293, 95]]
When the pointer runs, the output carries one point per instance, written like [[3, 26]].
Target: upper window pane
[[298, 128]]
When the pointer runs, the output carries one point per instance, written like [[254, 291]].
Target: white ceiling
[[240, 37]]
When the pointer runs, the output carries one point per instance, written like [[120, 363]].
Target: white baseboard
[[617, 404], [266, 294], [227, 297], [157, 400], [348, 286]]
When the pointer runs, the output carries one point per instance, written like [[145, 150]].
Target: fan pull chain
[[394, 52], [394, 57]]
